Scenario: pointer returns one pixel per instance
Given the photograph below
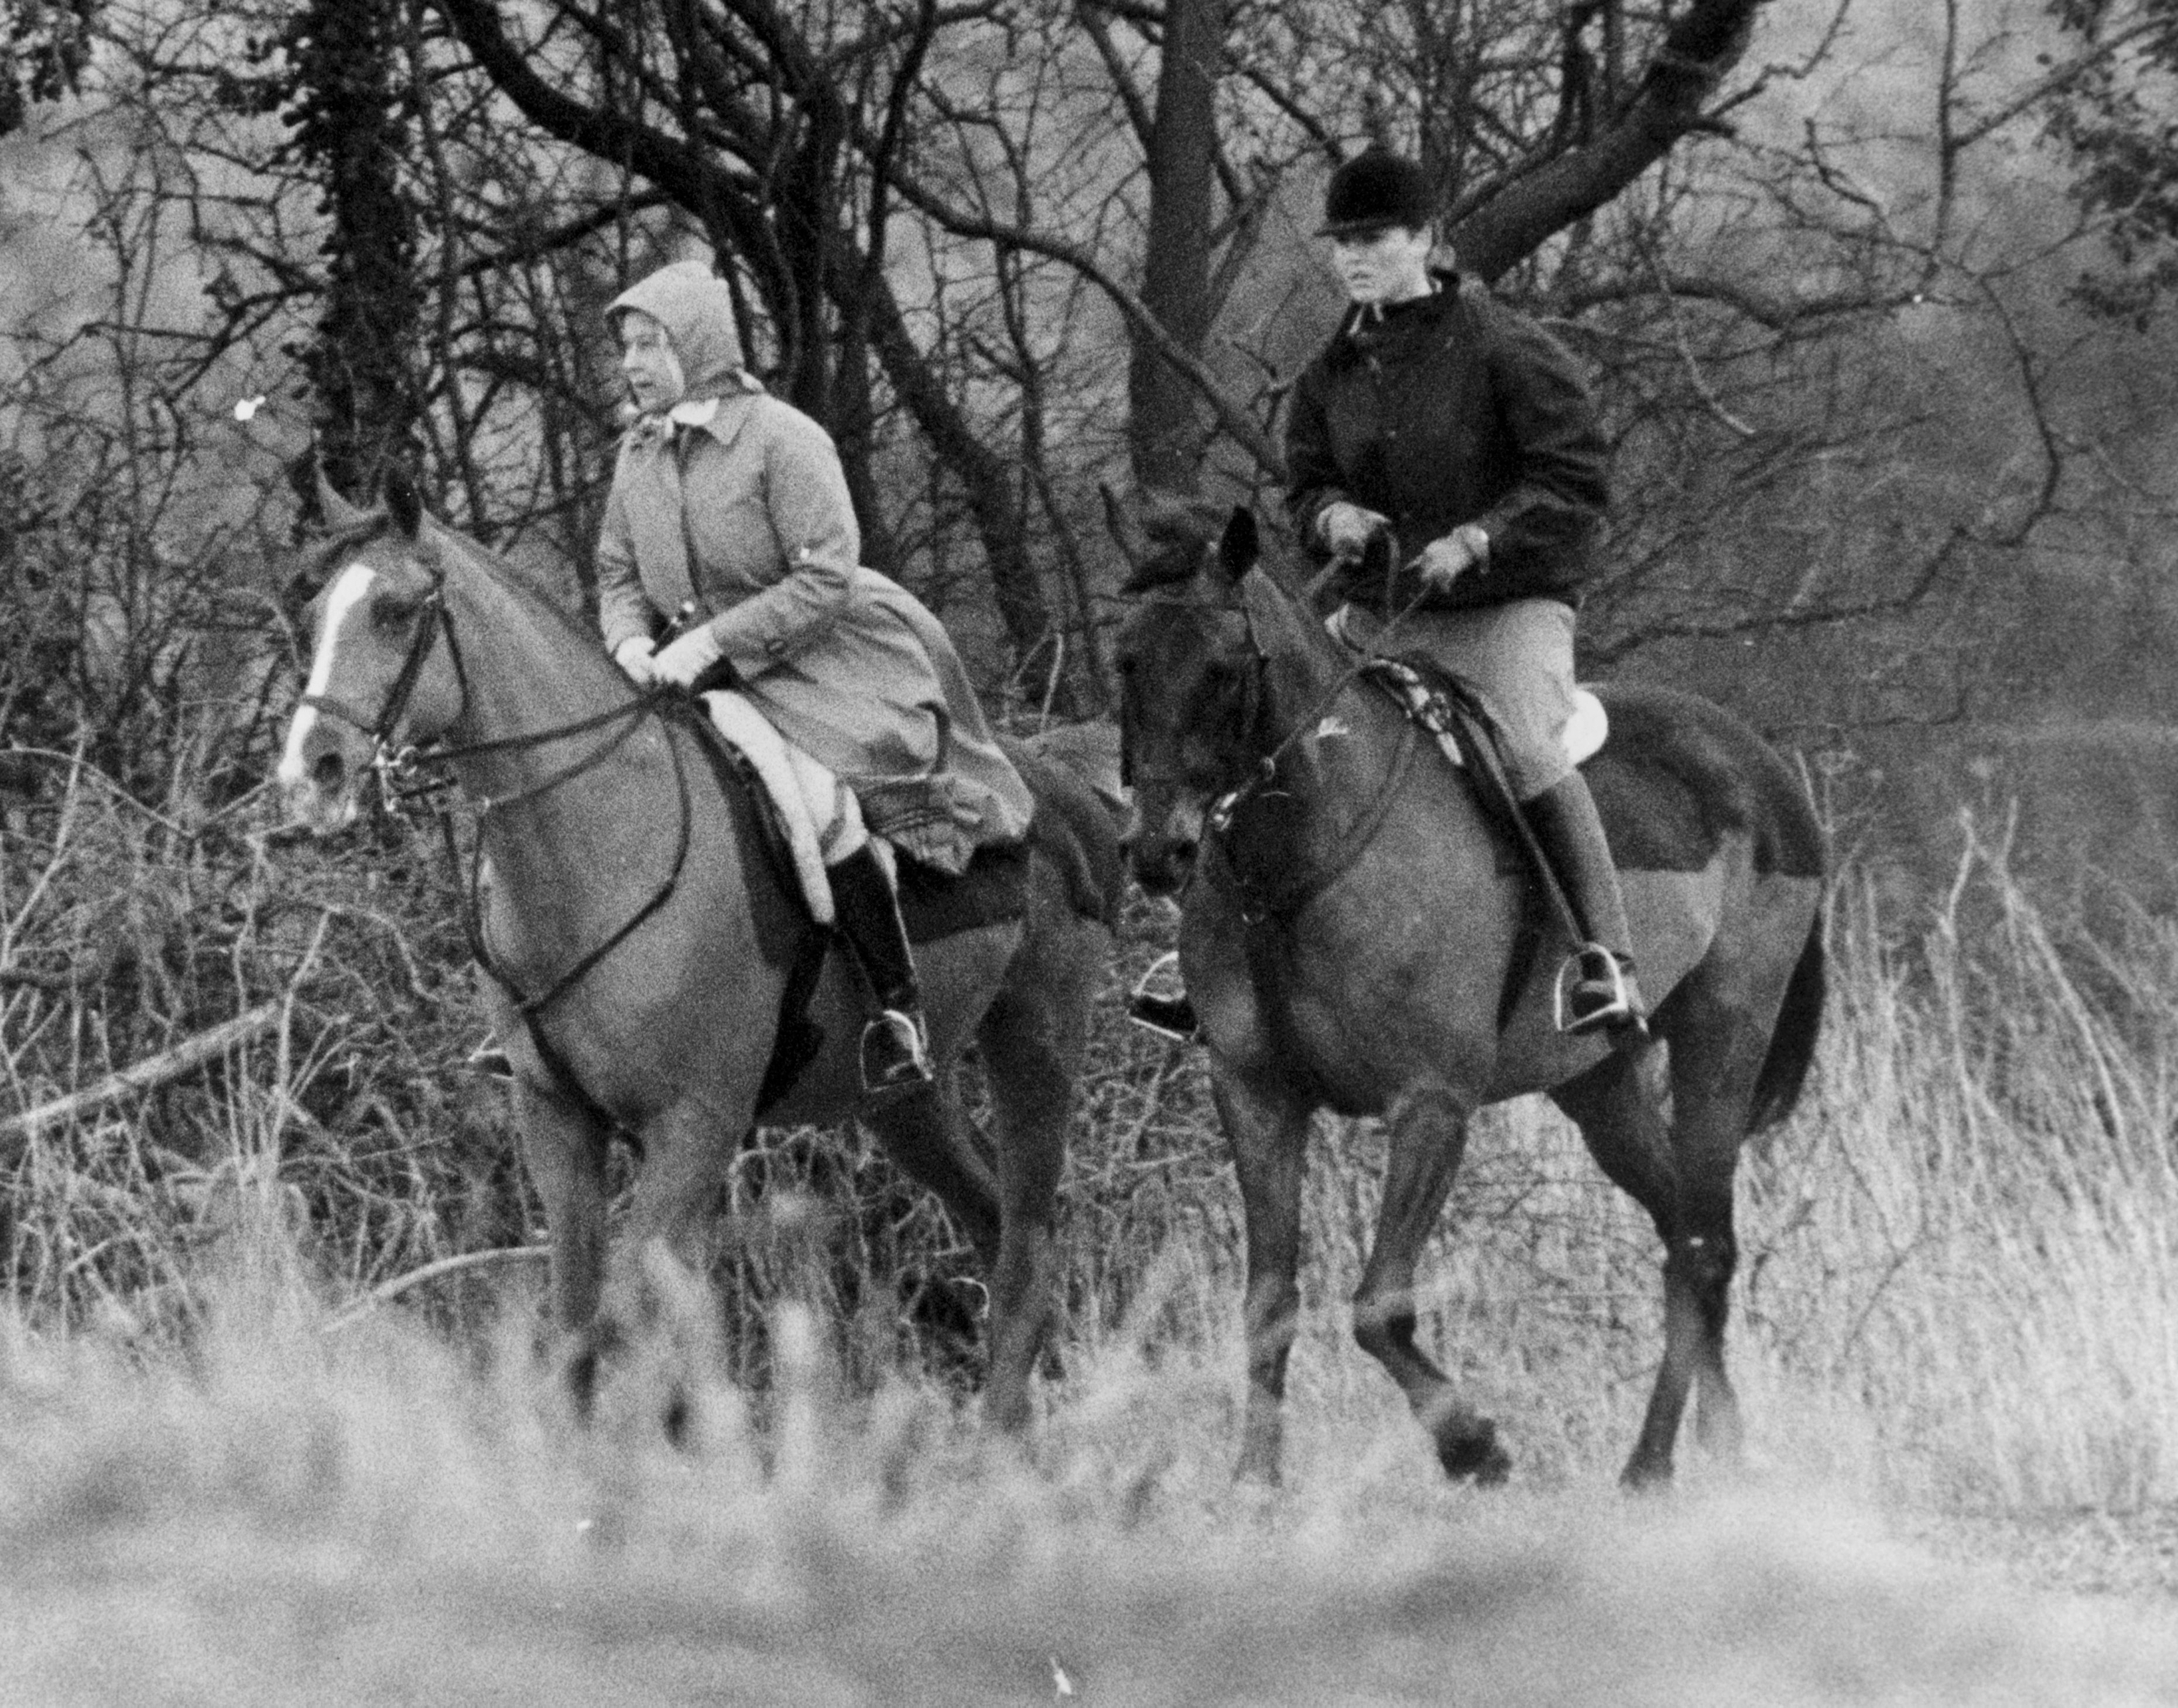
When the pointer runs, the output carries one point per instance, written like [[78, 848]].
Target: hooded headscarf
[[697, 309]]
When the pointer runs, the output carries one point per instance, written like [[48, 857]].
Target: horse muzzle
[[1161, 855], [320, 785]]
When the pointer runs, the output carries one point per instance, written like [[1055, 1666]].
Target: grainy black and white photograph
[[1109, 853]]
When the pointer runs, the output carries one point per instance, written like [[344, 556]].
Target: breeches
[[1518, 654]]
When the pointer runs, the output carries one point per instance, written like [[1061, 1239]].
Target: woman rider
[[729, 520], [1440, 416]]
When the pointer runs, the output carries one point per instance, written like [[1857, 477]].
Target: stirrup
[[1165, 1012], [1593, 994], [896, 1053]]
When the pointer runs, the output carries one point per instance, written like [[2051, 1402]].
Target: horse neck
[[1310, 679], [527, 671]]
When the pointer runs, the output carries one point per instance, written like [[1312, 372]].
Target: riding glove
[[1443, 561], [633, 655], [687, 658], [1347, 528]]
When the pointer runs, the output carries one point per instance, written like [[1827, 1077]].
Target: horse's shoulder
[[1681, 773]]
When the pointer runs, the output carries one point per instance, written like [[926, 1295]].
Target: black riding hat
[[1374, 191]]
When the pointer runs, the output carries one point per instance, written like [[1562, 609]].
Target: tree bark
[[1166, 433]]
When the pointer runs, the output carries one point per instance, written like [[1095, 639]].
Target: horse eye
[[390, 612]]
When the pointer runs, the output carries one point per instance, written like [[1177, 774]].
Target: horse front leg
[[657, 1312], [1428, 1134], [565, 1150], [1267, 1129]]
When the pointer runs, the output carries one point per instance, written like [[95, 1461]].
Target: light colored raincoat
[[733, 503]]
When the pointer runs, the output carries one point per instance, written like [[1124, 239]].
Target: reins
[[1225, 809], [654, 704], [397, 771]]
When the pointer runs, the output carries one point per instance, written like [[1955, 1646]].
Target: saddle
[[1070, 827], [1426, 691], [933, 904], [1454, 712]]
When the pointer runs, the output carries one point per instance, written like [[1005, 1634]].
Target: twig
[[387, 1291], [183, 1058]]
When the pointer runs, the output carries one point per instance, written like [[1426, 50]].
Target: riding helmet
[[1374, 191]]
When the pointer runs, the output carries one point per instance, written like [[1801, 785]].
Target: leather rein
[[1224, 821], [398, 769]]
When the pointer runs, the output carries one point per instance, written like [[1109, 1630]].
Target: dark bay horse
[[1355, 938], [631, 913]]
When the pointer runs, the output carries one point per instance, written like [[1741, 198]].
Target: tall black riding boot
[[1597, 983], [895, 1042]]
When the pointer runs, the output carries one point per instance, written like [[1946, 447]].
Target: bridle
[[1226, 810], [402, 781], [395, 769]]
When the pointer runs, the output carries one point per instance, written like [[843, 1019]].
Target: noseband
[[395, 769]]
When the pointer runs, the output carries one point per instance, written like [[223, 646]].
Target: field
[[242, 1462]]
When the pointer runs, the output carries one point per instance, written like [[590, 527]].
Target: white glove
[[689, 657], [633, 655], [1443, 561], [1346, 529]]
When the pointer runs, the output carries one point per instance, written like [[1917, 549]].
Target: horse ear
[[1241, 545], [340, 516], [402, 502]]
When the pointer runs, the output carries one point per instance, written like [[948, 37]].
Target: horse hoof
[[1257, 1474], [1645, 1476], [1474, 1455]]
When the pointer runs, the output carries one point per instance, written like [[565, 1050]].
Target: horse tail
[[1792, 1039]]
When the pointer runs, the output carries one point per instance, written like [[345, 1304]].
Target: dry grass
[[1955, 1336], [285, 1518]]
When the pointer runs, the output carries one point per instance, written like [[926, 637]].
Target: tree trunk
[[349, 128], [1166, 434]]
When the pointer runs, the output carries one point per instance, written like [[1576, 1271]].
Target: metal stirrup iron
[[895, 1055], [1591, 993]]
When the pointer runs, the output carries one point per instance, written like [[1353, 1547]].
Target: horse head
[[1191, 671], [384, 672]]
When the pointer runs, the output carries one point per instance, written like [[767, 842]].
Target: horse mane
[[501, 573], [321, 555]]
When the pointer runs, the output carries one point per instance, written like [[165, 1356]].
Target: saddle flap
[[1584, 733], [749, 733]]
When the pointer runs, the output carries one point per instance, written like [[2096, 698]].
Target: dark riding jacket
[[1449, 410]]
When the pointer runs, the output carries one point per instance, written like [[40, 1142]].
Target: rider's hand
[[1443, 561], [1346, 529], [633, 655], [688, 658]]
